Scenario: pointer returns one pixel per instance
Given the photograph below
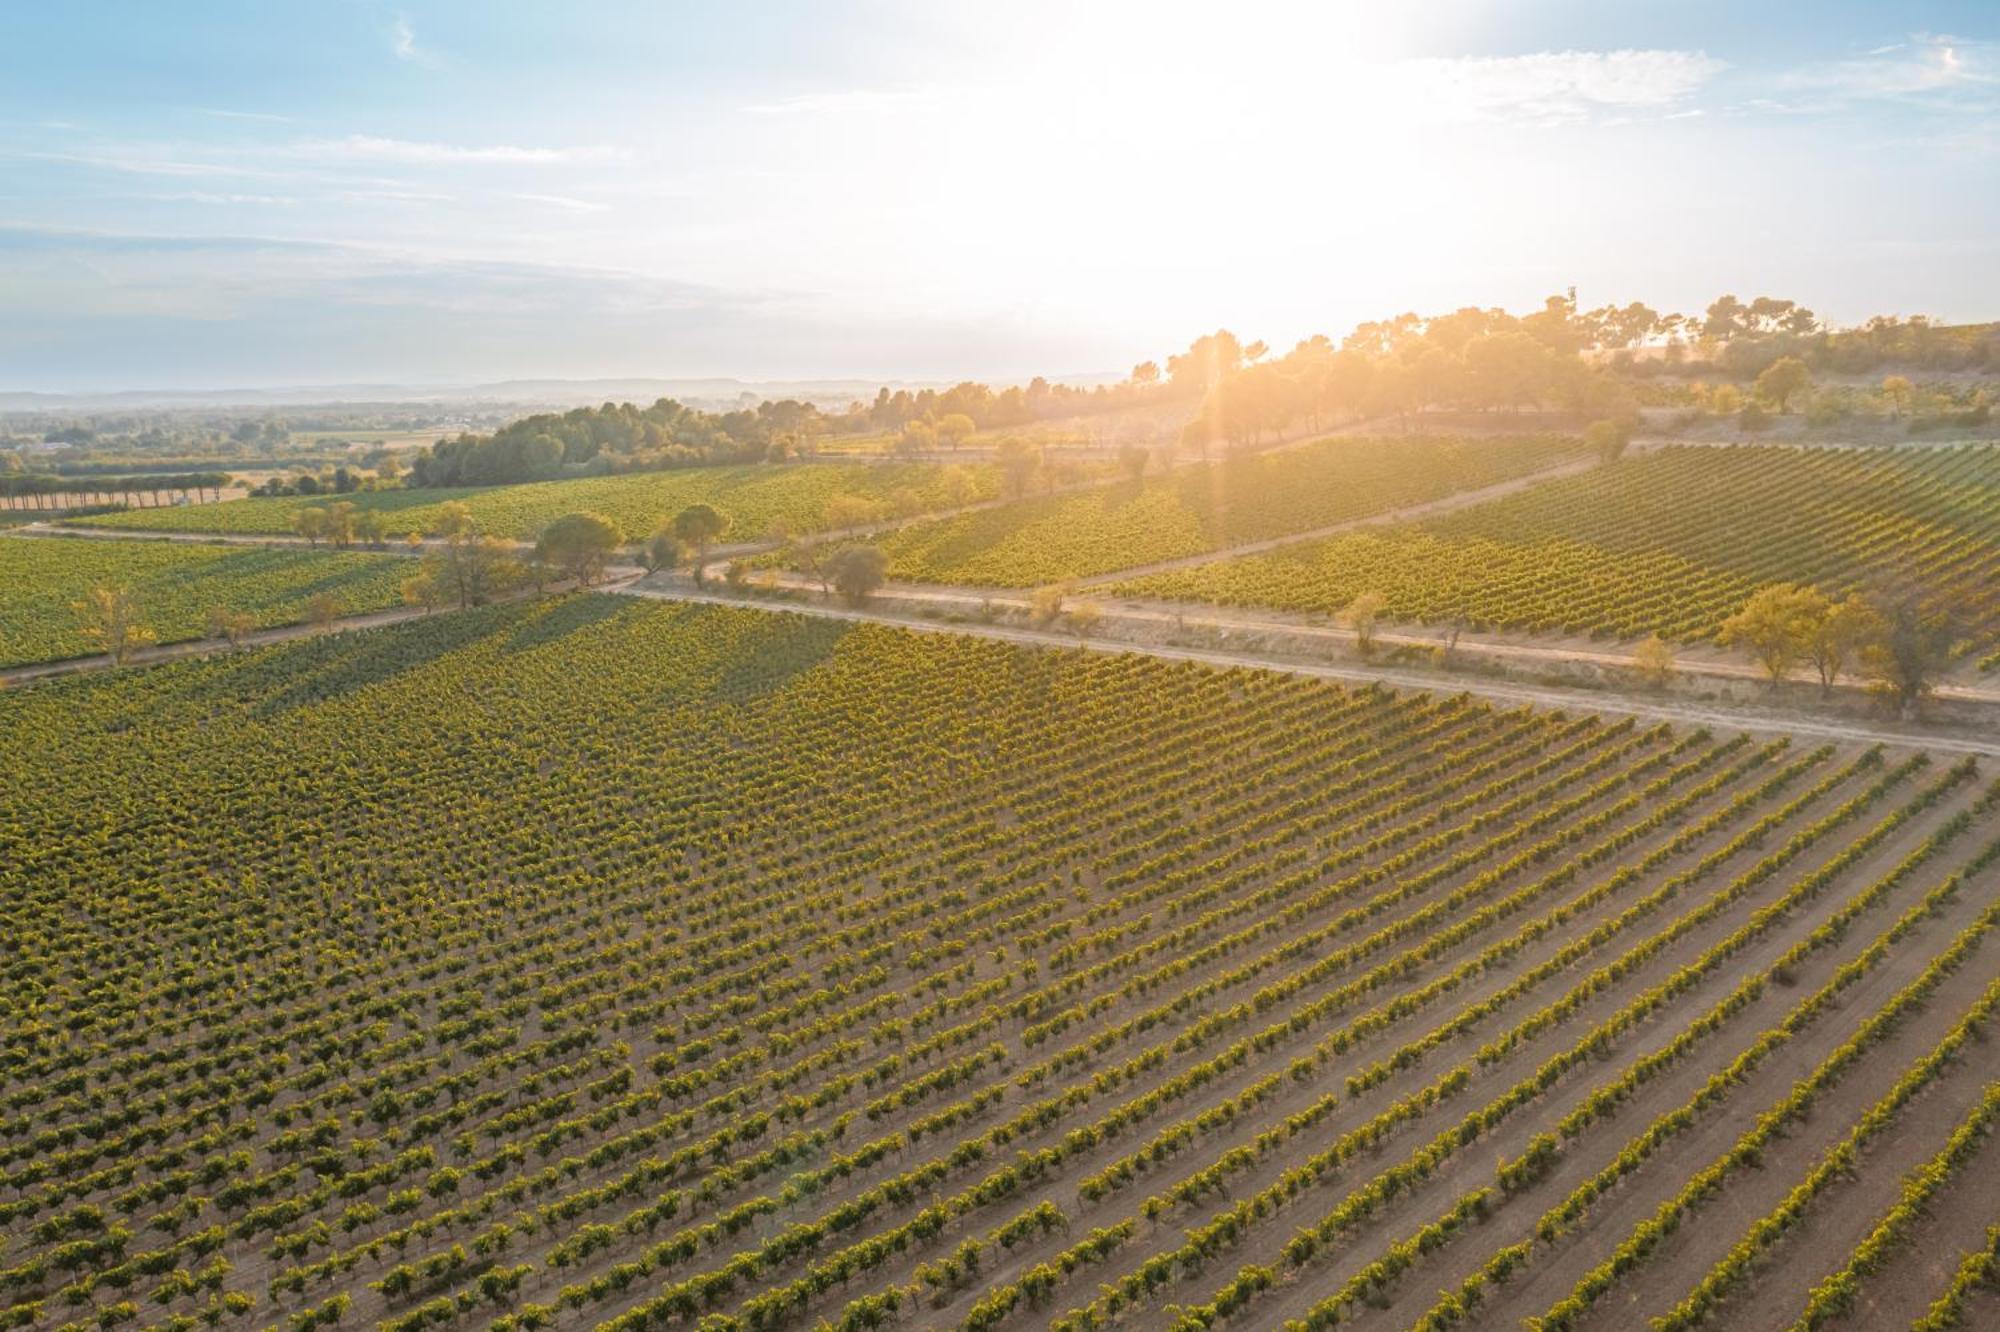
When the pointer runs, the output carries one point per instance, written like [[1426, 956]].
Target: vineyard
[[1204, 507], [600, 963], [175, 585], [1669, 542], [754, 498]]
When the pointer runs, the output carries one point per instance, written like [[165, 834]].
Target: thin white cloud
[[372, 148], [1554, 86], [220, 113], [564, 202], [205, 197], [403, 41], [142, 161], [852, 99], [1922, 67], [391, 195]]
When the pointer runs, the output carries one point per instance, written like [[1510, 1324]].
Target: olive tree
[[857, 571]]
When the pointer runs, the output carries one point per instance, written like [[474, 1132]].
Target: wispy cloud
[[1924, 68], [403, 42], [144, 160], [206, 197], [1555, 86], [220, 113], [564, 202], [393, 195], [370, 148], [330, 160], [851, 99]]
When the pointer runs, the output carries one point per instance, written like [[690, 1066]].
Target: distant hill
[[545, 393], [537, 392]]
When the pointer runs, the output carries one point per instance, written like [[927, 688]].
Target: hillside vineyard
[[1672, 541], [1205, 506], [591, 962], [756, 498]]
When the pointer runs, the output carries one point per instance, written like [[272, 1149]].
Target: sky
[[210, 194]]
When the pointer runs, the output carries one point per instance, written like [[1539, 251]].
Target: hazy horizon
[[464, 194]]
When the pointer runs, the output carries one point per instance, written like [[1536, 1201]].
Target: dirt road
[[1730, 718], [1462, 499]]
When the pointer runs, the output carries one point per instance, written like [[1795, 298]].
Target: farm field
[[174, 584], [752, 497], [1202, 507], [601, 963], [1672, 542]]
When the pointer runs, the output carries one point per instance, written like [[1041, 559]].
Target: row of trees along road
[[1899, 637]]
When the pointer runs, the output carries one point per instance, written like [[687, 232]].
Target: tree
[[1607, 439], [579, 545], [340, 523], [1909, 647], [454, 520], [310, 523], [421, 589], [845, 512], [1775, 625], [857, 571], [111, 620], [1084, 617], [369, 526], [1019, 461], [537, 570], [1046, 603], [1146, 373], [1783, 380], [322, 610], [474, 569], [958, 486], [1360, 616], [917, 437], [1132, 460], [232, 625], [699, 526], [954, 430], [1840, 630], [1897, 390], [470, 567], [1654, 660], [662, 550]]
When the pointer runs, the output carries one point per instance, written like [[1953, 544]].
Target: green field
[[1201, 507], [1670, 542], [753, 498], [175, 584], [598, 963]]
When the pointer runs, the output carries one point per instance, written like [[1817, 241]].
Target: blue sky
[[207, 194]]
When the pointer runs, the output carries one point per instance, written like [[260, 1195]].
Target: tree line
[[1900, 637], [1559, 356], [44, 491]]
